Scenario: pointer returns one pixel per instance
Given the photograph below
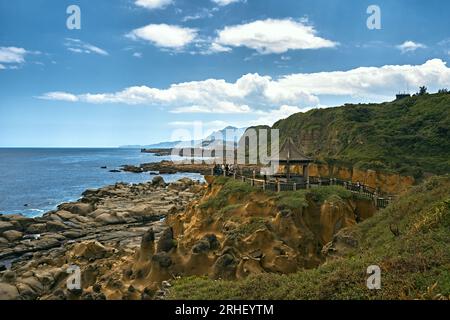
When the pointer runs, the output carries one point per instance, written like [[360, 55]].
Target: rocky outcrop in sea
[[99, 234]]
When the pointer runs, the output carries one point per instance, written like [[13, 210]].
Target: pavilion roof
[[290, 152]]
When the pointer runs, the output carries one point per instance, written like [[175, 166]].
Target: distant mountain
[[227, 136], [164, 145]]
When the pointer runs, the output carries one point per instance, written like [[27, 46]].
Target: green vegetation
[[246, 229], [292, 200], [415, 263], [231, 188], [298, 199], [239, 191], [409, 136]]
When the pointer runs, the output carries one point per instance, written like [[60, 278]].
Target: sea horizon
[[37, 180]]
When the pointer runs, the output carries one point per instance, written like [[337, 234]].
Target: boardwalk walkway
[[380, 200]]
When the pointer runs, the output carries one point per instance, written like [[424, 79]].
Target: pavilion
[[292, 163]]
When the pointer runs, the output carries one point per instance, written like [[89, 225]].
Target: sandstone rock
[[5, 226], [213, 241], [181, 184], [225, 267], [97, 288], [12, 235], [106, 218], [201, 246], [142, 210], [98, 212], [163, 259], [77, 208], [8, 292], [47, 242], [20, 221], [73, 234], [26, 292], [91, 250], [148, 237], [55, 226], [9, 276], [37, 228], [158, 181], [33, 283], [45, 277], [166, 241], [3, 242], [66, 215], [53, 217]]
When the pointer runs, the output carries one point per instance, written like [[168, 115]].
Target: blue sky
[[138, 70]]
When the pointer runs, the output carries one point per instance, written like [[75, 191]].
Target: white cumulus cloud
[[153, 4], [164, 35], [410, 46], [368, 82], [260, 95], [273, 36]]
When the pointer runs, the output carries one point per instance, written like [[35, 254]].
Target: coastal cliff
[[164, 241], [129, 240], [389, 183], [408, 241], [234, 231]]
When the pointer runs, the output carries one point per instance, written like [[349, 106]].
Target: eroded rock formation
[[100, 234], [251, 234]]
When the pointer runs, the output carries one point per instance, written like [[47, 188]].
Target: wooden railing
[[380, 200]]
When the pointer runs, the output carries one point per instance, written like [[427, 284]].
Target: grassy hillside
[[409, 136], [415, 263]]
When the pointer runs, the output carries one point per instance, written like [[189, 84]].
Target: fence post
[[234, 175], [375, 199], [320, 181], [254, 174], [345, 184], [279, 187], [212, 171], [264, 186], [295, 186], [307, 183], [243, 178]]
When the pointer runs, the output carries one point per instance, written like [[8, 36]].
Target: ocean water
[[34, 181]]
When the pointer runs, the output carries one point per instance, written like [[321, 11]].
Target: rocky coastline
[[169, 167], [130, 240], [98, 233]]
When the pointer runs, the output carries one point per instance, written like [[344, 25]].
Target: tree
[[444, 91], [423, 91]]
